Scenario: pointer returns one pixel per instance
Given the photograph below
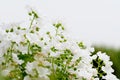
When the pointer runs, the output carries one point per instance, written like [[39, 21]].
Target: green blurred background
[[114, 54]]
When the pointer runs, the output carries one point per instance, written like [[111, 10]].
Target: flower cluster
[[44, 52]]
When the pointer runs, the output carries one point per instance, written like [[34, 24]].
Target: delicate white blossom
[[44, 52]]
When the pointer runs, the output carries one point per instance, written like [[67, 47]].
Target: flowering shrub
[[44, 52]]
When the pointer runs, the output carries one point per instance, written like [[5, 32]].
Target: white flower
[[29, 68], [22, 48], [43, 72], [16, 59], [5, 72], [27, 78], [38, 63], [110, 77], [107, 69], [33, 38], [103, 56]]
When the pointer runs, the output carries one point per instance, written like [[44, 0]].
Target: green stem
[[28, 47], [53, 69], [32, 21], [56, 32]]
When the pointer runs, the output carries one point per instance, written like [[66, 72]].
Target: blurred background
[[95, 21]]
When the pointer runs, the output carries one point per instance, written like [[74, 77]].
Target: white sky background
[[97, 21]]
